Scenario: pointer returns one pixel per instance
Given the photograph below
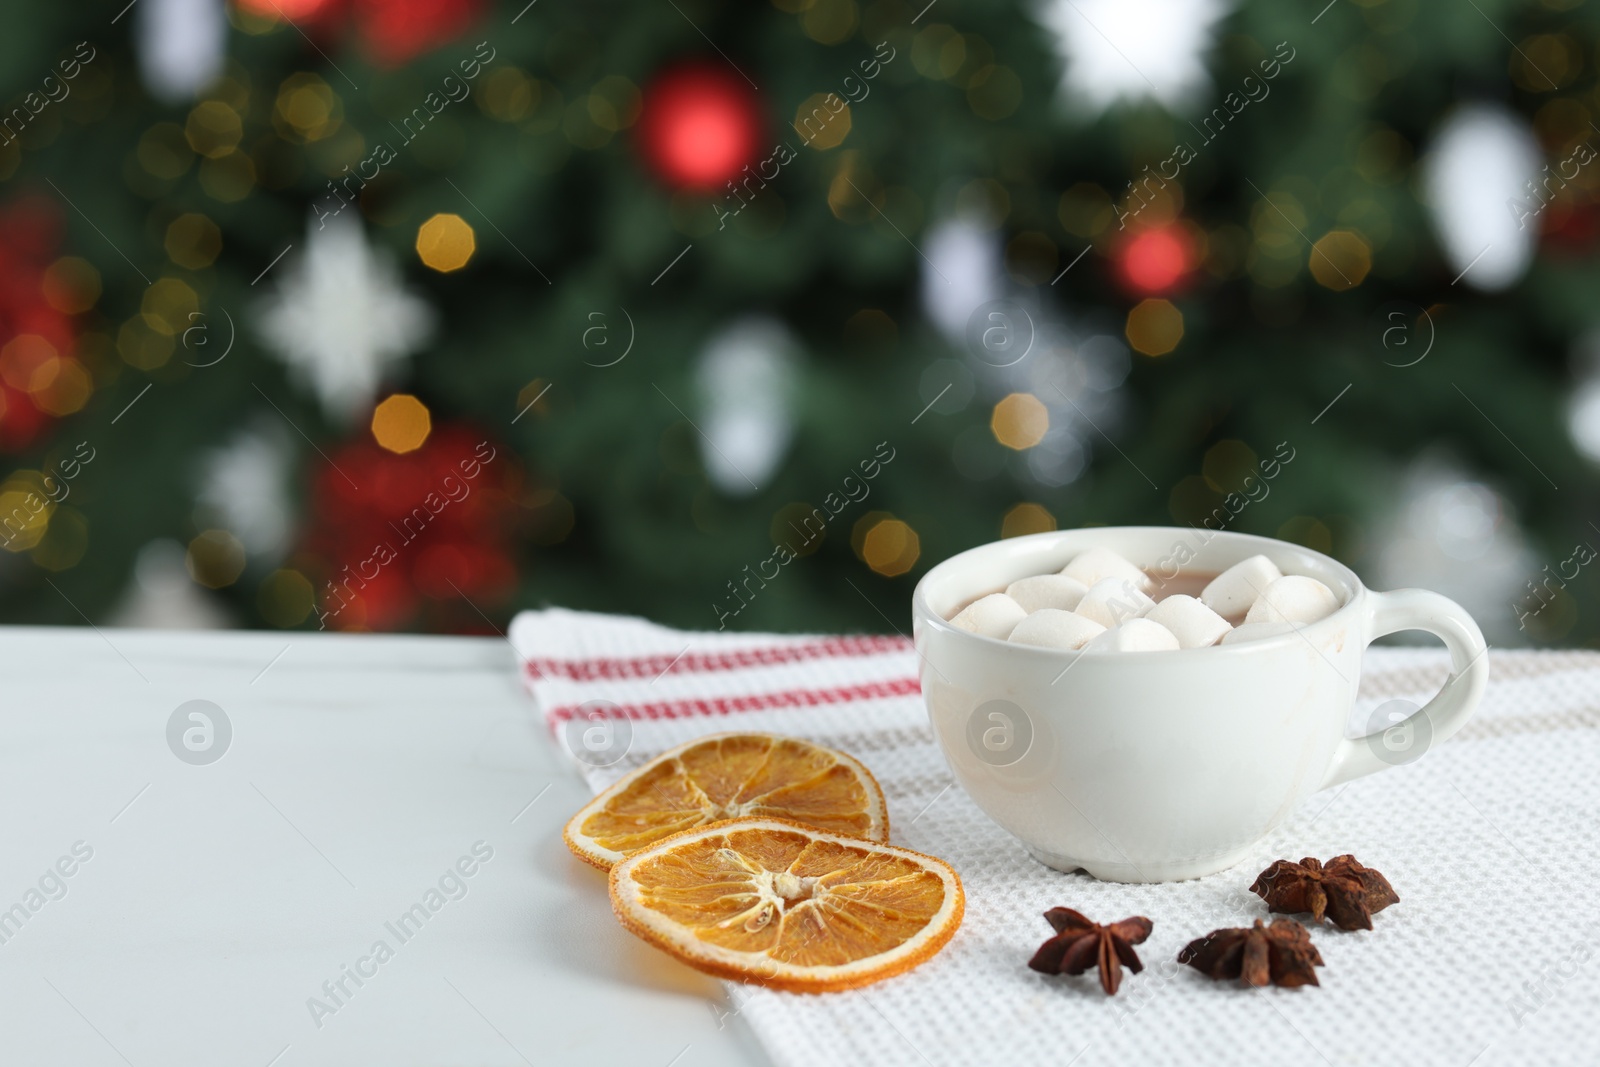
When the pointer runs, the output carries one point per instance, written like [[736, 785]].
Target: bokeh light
[[307, 109], [401, 423], [285, 598], [699, 126], [215, 559], [71, 285], [229, 177], [286, 9], [29, 363], [1155, 260], [67, 390], [168, 306], [193, 241], [891, 547], [1020, 421], [27, 509], [214, 129], [65, 542], [1154, 327], [1340, 260], [142, 347], [818, 125], [829, 21], [446, 242], [1027, 518]]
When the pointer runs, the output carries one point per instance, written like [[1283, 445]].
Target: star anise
[[1280, 954], [1345, 891], [1080, 944]]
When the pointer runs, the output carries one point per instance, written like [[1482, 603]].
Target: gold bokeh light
[[446, 242], [1020, 421], [1154, 327], [401, 423], [891, 548]]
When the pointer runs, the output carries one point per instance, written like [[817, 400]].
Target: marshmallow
[[992, 616], [1294, 598], [1047, 591], [1097, 564], [1256, 631], [1112, 601], [1054, 628], [1191, 622], [1231, 593], [1135, 635]]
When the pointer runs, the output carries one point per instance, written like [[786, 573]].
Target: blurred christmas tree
[[758, 311]]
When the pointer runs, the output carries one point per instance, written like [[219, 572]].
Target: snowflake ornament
[[962, 271], [1478, 181], [341, 317], [181, 46], [244, 487], [1127, 49], [746, 380]]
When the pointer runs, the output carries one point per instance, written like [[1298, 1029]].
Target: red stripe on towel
[[587, 670], [792, 698]]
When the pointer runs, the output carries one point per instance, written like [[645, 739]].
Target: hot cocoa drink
[[1102, 602]]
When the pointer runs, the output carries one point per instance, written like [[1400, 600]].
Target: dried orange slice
[[779, 904], [729, 776]]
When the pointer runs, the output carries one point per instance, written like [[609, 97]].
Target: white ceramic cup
[[1159, 766]]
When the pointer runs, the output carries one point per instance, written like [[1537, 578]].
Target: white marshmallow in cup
[[1054, 628], [1293, 598], [1231, 593], [1112, 601], [1135, 635], [1191, 622], [1256, 631], [1098, 564], [992, 616], [1047, 591]]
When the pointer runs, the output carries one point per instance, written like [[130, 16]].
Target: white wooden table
[[208, 903]]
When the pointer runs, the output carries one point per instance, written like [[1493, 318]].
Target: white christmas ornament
[[962, 271], [1458, 537], [244, 485], [1483, 163], [180, 45], [341, 316], [1583, 409], [1126, 49], [162, 596], [746, 379], [1583, 419]]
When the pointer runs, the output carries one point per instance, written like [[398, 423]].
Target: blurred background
[[406, 314]]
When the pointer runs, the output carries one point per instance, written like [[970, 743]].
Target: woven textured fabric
[[1494, 831]]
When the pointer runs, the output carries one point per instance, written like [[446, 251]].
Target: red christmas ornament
[[1155, 260], [29, 231], [700, 126], [392, 31], [401, 534]]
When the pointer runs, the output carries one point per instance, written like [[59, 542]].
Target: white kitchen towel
[[1492, 841]]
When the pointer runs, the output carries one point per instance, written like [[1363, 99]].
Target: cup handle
[[1452, 706]]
